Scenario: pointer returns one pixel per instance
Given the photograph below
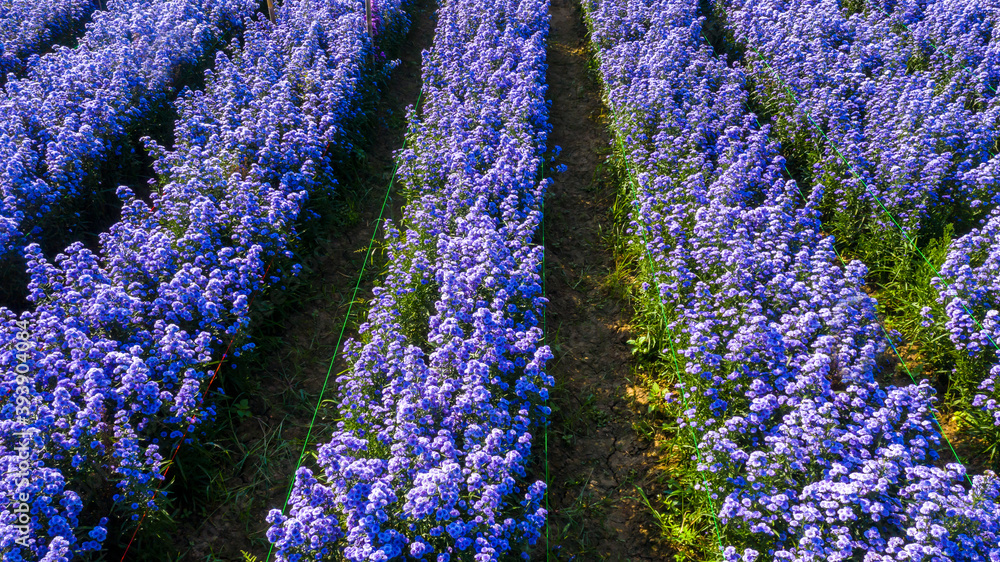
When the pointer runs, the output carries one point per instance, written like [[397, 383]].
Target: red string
[[184, 435], [369, 8]]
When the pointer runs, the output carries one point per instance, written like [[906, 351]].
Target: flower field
[[486, 280]]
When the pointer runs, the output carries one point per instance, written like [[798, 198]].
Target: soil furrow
[[596, 458]]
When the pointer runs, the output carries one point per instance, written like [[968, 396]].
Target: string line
[[343, 328]]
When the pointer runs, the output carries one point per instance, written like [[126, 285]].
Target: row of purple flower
[[29, 26], [970, 276], [76, 106], [906, 138], [428, 458], [805, 453], [119, 343]]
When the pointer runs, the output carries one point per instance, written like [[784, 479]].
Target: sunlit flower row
[[905, 96], [806, 452]]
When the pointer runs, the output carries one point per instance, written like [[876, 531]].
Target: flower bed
[[805, 452], [119, 347], [906, 125], [913, 138], [969, 288], [447, 381]]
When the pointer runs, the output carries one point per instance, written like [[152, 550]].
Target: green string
[[343, 328], [888, 338], [902, 361], [634, 184], [946, 53]]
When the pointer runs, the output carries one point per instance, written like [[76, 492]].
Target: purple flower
[[447, 381]]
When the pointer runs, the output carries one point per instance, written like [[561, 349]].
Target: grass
[[683, 513], [573, 537], [682, 525], [978, 427]]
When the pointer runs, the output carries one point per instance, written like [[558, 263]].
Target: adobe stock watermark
[[23, 392]]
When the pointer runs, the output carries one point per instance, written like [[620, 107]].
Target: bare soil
[[596, 458]]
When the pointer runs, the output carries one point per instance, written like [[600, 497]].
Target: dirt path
[[245, 467], [595, 456]]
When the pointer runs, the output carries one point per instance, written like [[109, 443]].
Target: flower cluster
[[969, 287], [119, 343], [904, 92], [805, 452], [28, 27], [76, 106], [447, 381]]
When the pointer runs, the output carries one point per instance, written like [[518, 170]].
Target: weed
[[979, 427], [683, 527], [574, 537]]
